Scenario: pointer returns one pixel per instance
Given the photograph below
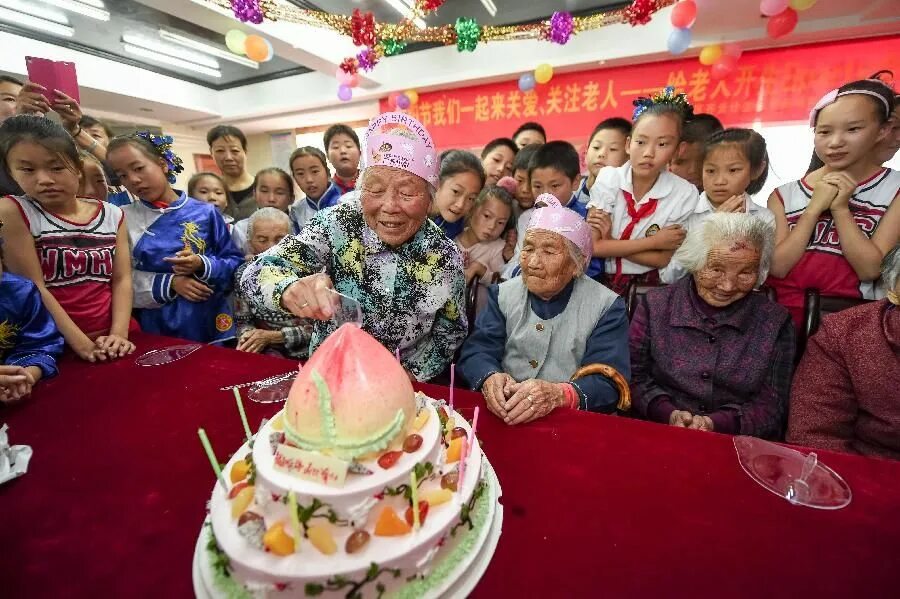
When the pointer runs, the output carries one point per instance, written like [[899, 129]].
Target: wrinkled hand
[[185, 262], [494, 390], [681, 418], [31, 99], [845, 185], [114, 346], [736, 203], [68, 109], [670, 237], [702, 423], [509, 248], [532, 399], [191, 289], [256, 340], [15, 383], [600, 221], [310, 297], [822, 197]]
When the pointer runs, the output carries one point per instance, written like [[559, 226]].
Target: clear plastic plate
[[165, 355], [797, 477], [272, 390]]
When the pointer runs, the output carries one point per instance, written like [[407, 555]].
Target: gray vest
[[550, 350]]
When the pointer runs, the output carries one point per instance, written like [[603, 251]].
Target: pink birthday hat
[[554, 217], [398, 140]]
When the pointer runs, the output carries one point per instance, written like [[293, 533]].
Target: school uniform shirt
[[28, 334], [671, 201], [158, 233], [675, 271], [302, 211], [823, 265], [77, 259]]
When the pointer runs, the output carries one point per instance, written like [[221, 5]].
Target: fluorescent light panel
[[169, 50], [82, 8], [170, 61], [206, 48], [490, 7], [37, 10], [32, 22], [405, 9]]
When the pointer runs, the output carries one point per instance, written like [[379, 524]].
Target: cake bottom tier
[[453, 572]]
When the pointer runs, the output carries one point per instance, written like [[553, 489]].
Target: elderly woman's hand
[[681, 418], [702, 423], [533, 399], [494, 389], [310, 297]]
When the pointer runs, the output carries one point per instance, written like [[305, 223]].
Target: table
[[594, 505]]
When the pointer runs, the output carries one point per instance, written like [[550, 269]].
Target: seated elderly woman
[[382, 251], [258, 328], [537, 330], [845, 395], [706, 352]]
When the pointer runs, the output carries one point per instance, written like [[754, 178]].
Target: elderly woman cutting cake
[[706, 352], [539, 329], [382, 251]]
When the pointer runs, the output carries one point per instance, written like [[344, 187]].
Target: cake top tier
[[351, 398]]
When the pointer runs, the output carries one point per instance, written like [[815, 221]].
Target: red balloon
[[392, 100], [684, 14], [723, 67], [782, 24]]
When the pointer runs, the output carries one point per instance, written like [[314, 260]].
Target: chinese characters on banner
[[771, 86]]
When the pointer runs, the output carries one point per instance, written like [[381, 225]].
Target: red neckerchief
[[345, 186], [637, 215], [160, 205]]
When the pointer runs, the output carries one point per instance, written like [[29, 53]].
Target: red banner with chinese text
[[771, 86]]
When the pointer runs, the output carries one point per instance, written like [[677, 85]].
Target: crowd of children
[[97, 242]]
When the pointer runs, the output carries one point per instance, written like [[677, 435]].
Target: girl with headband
[[834, 226]]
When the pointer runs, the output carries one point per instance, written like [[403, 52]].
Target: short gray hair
[[724, 228], [267, 213], [890, 268]]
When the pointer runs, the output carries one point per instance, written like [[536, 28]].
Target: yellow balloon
[[543, 73], [801, 5], [710, 54], [234, 40], [413, 96]]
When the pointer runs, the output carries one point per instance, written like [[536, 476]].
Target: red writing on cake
[[311, 466]]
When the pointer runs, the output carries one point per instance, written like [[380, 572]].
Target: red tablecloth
[[594, 505]]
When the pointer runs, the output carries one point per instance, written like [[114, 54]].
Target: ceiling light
[[206, 48], [173, 51], [32, 22], [37, 10], [170, 61], [490, 7], [83, 8], [403, 7]]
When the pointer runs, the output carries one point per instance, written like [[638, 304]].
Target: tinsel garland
[[561, 27], [640, 11], [362, 28], [467, 34]]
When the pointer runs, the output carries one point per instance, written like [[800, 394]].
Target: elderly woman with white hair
[[382, 251], [538, 330], [258, 328], [845, 395], [708, 353]]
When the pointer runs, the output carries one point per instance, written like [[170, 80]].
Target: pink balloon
[[392, 100], [733, 49], [782, 24], [354, 80], [723, 67], [684, 14], [770, 8], [342, 76]]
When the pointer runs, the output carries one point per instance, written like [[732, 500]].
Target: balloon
[[353, 81], [782, 24], [403, 102], [392, 100], [413, 96], [684, 14], [710, 54], [342, 76], [235, 40], [543, 73], [271, 54], [526, 82], [723, 67], [733, 49], [679, 41], [256, 48], [345, 93], [770, 8], [801, 5]]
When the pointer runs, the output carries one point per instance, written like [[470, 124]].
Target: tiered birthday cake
[[358, 488]]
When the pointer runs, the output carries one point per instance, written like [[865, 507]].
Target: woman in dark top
[[228, 146]]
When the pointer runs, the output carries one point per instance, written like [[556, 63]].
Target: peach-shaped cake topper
[[351, 398]]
